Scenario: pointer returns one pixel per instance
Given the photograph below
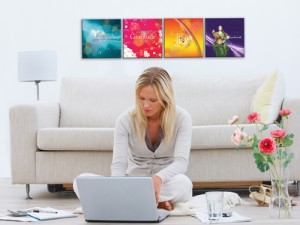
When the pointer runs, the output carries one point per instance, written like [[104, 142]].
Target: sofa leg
[[27, 191], [298, 188]]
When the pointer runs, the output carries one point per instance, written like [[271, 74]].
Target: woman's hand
[[157, 184]]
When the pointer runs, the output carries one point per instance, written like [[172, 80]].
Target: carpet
[[198, 202]]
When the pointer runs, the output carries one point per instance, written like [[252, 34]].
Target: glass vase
[[280, 205]]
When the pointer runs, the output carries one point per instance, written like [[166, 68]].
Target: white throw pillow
[[268, 98]]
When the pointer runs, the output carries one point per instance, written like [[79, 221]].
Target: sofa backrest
[[95, 101], [211, 100]]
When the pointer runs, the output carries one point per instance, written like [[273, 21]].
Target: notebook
[[118, 199]]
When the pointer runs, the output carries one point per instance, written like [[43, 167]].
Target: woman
[[220, 46], [154, 139]]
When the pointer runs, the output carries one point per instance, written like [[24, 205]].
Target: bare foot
[[165, 205]]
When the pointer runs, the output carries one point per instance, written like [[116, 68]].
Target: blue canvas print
[[101, 38]]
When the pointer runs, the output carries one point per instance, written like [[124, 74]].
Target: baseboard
[[235, 184], [203, 185]]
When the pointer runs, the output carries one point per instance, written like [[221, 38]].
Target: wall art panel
[[142, 38], [183, 37], [101, 38], [224, 37]]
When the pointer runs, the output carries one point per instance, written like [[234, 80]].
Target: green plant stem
[[278, 180], [259, 130]]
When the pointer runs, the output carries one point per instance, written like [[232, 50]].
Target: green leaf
[[255, 149], [287, 141], [262, 166], [288, 160], [265, 127], [260, 161], [255, 138], [281, 154], [269, 159], [255, 142]]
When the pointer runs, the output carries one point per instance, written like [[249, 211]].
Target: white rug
[[198, 202]]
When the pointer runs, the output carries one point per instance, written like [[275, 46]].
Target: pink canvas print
[[142, 38]]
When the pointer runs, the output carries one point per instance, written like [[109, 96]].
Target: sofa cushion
[[101, 139], [219, 136], [75, 139]]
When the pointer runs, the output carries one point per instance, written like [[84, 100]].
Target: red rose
[[284, 112], [253, 117], [280, 134], [267, 145]]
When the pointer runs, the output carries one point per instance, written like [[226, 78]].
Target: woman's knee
[[183, 181], [188, 185], [178, 188]]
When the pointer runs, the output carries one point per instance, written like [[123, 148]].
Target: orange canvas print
[[183, 37]]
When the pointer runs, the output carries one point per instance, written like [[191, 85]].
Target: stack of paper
[[37, 214], [19, 219]]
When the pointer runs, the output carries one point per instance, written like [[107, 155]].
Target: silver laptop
[[118, 199]]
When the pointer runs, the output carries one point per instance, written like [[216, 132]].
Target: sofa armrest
[[292, 126], [25, 120]]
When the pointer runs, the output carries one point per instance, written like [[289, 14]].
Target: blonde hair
[[161, 82]]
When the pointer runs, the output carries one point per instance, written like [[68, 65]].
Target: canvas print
[[224, 37], [101, 38], [183, 37], [142, 38]]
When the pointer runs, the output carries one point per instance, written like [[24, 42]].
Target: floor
[[13, 197]]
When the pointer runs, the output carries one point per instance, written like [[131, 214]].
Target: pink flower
[[280, 134], [253, 117], [233, 120], [285, 112], [267, 145], [237, 137]]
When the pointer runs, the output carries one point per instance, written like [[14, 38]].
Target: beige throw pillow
[[269, 96]]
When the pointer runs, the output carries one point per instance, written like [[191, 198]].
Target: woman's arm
[[182, 148], [120, 149]]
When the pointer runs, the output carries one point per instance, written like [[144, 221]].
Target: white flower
[[128, 53], [146, 54], [160, 33]]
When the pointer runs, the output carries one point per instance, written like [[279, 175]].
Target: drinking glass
[[214, 205]]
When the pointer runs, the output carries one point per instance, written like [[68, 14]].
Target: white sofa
[[51, 143]]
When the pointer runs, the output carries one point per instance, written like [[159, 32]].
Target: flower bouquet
[[270, 155]]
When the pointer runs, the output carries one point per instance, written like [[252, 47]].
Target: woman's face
[[149, 103]]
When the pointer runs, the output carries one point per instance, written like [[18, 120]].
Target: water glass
[[214, 205]]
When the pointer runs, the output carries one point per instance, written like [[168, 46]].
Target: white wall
[[271, 42]]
